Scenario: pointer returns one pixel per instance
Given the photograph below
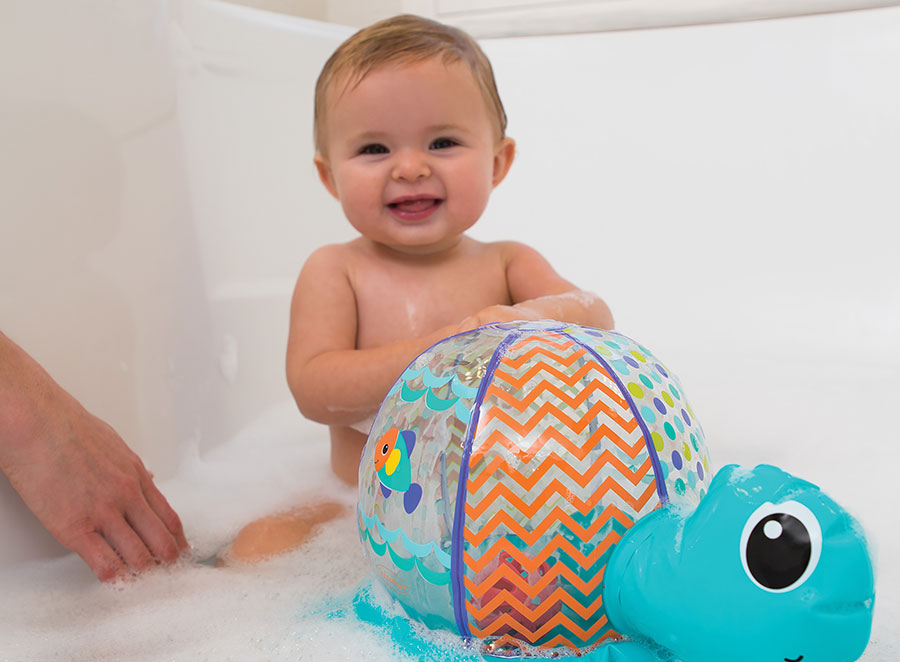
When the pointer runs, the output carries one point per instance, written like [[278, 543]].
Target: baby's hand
[[498, 314]]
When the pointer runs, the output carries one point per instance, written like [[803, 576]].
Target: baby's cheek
[[471, 194], [361, 210]]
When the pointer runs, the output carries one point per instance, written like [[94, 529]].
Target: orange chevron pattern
[[579, 452], [550, 366], [504, 572], [558, 543], [531, 538], [552, 411], [528, 481], [559, 470], [585, 391], [584, 506], [557, 342]]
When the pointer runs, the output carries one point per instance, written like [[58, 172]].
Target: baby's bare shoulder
[[508, 245], [332, 257], [511, 250], [332, 252]]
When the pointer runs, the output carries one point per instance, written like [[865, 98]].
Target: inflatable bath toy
[[558, 499]]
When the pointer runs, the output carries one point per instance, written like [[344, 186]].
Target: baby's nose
[[410, 167]]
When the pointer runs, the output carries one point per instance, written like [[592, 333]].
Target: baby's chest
[[414, 303]]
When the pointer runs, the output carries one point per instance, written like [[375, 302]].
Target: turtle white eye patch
[[780, 546]]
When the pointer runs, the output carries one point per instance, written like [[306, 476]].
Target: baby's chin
[[423, 243], [427, 249]]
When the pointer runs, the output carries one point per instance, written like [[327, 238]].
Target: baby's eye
[[374, 148], [443, 143]]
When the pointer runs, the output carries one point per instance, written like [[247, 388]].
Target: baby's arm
[[538, 292], [332, 381]]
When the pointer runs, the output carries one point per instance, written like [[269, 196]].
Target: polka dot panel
[[660, 403]]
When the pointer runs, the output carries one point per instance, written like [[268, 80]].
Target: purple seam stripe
[[457, 583], [648, 440]]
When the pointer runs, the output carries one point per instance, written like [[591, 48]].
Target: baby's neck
[[430, 254]]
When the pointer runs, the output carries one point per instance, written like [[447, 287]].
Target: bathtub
[[730, 190]]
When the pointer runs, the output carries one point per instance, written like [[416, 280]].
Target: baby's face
[[412, 154]]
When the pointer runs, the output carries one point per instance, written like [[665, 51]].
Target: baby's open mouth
[[414, 204], [414, 208]]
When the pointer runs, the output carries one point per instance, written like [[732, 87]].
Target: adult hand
[[77, 475]]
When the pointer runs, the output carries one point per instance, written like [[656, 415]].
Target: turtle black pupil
[[384, 449], [779, 561]]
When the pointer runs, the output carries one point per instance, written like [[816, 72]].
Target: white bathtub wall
[[92, 200], [97, 255], [149, 274], [159, 199], [736, 181], [245, 79], [720, 185]]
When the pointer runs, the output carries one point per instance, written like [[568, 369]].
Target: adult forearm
[[27, 395]]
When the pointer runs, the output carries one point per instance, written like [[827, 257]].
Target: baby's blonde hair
[[404, 39]]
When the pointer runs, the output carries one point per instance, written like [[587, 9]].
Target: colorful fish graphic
[[393, 467]]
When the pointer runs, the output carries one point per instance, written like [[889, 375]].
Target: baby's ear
[[325, 174], [503, 158]]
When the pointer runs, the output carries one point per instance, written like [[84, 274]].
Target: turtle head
[[767, 568]]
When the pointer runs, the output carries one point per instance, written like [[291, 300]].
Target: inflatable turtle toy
[[544, 490]]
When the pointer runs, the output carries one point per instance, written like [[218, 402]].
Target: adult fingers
[[166, 513], [122, 537], [158, 524], [99, 556], [468, 324]]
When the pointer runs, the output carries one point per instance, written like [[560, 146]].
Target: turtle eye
[[780, 546], [384, 449]]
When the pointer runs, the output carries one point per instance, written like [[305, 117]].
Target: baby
[[410, 138]]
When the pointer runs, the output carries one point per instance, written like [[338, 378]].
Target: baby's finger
[[121, 535], [166, 514], [467, 324], [99, 556]]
